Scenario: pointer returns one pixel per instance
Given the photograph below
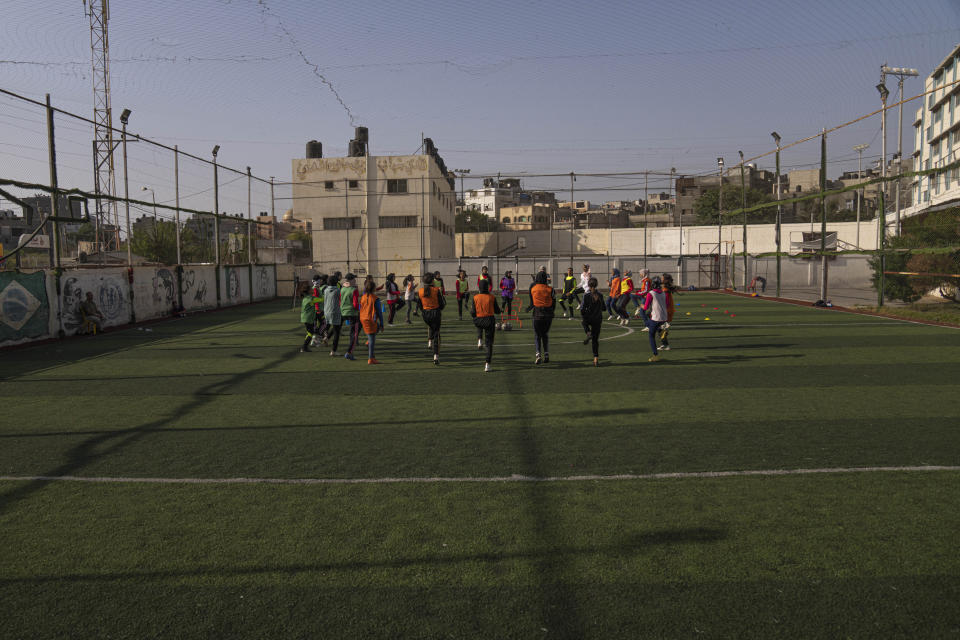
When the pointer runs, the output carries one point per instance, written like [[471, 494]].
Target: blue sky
[[534, 87]]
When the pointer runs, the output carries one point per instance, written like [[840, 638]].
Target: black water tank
[[314, 149], [362, 135]]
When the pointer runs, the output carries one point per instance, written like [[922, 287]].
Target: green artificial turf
[[226, 395]]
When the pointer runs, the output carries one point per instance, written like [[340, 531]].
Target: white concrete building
[[937, 136], [375, 214], [493, 196]]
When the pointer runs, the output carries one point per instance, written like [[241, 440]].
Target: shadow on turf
[[631, 545], [580, 415], [107, 443]]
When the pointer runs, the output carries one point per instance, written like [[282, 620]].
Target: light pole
[[719, 218], [776, 138], [154, 196], [673, 190], [859, 149], [463, 206], [743, 205], [216, 209], [901, 73], [124, 119], [882, 214], [156, 231]]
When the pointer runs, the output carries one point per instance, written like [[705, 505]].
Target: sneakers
[[538, 360], [588, 339], [665, 347], [429, 344], [653, 359], [645, 330], [636, 314], [564, 314], [546, 358], [609, 317], [373, 361], [486, 368], [436, 359], [665, 325], [333, 354], [479, 343], [304, 349], [349, 356], [596, 362], [626, 322]]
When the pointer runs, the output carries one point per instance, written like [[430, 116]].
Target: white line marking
[[493, 479]]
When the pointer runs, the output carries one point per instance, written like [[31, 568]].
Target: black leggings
[[541, 328], [507, 305], [335, 330], [593, 330], [432, 319], [463, 300], [488, 330]]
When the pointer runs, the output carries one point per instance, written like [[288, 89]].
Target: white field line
[[491, 479]]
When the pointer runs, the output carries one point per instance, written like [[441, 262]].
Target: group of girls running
[[329, 305]]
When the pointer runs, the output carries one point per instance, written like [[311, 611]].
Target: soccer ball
[[499, 326], [507, 326]]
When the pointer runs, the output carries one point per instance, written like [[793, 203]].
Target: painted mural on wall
[[24, 308], [264, 282], [199, 288], [110, 293], [154, 292], [235, 285]]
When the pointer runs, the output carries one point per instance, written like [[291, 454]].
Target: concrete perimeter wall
[[42, 305]]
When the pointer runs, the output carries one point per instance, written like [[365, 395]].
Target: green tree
[[472, 220], [937, 230], [705, 207], [156, 241]]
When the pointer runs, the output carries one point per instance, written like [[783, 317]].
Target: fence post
[[823, 215], [54, 205]]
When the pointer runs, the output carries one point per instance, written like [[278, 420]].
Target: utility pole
[[216, 209], [776, 138], [719, 220], [176, 187], [463, 205], [124, 119], [823, 214], [743, 206], [573, 217], [646, 197], [859, 149], [54, 193], [882, 214], [673, 190], [901, 73]]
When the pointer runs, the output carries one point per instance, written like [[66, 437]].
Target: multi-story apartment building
[[937, 135], [494, 196], [367, 212]]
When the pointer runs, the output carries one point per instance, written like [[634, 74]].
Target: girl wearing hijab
[[543, 304], [484, 312], [507, 286], [431, 306], [591, 314]]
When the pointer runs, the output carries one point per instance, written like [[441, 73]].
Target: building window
[[397, 186], [353, 184], [341, 224], [398, 222], [329, 186], [506, 220]]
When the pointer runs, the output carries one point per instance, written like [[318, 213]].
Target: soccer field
[[783, 471]]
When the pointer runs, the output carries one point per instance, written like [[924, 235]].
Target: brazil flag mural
[[24, 310]]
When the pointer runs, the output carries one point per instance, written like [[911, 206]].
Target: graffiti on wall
[[107, 294], [164, 287], [194, 287], [233, 284], [24, 310], [261, 283]]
